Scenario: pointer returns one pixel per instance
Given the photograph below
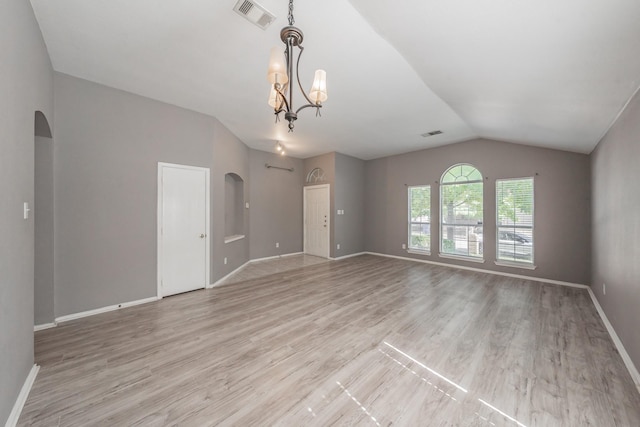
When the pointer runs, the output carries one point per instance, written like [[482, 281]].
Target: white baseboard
[[80, 315], [43, 326], [635, 375], [350, 256], [481, 270], [22, 397]]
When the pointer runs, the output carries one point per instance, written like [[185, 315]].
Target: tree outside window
[[514, 206], [420, 218], [461, 211]]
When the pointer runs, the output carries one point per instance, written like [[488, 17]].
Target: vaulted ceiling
[[546, 73]]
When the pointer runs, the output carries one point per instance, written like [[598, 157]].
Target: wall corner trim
[[635, 375], [43, 326], [82, 314], [12, 421]]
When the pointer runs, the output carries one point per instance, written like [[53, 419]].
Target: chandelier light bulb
[[275, 100], [318, 93]]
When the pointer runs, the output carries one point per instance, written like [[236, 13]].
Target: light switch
[[26, 210]]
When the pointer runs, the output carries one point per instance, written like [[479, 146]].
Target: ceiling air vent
[[432, 133], [254, 13]]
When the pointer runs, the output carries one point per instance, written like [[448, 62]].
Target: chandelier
[[281, 73]]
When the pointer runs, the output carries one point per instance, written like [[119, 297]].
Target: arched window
[[461, 212], [315, 176]]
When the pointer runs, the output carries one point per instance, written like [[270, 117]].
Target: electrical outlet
[[604, 289], [277, 244], [338, 246], [404, 246], [225, 260]]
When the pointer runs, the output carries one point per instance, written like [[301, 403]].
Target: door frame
[[304, 216], [161, 167]]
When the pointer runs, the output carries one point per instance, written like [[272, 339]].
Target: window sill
[[516, 265], [418, 252], [229, 239], [462, 258]]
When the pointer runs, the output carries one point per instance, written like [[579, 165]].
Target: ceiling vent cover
[[254, 13]]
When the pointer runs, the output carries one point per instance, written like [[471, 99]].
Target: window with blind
[[420, 218], [514, 207], [461, 212]]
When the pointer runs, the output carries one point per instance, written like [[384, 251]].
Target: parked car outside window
[[514, 245]]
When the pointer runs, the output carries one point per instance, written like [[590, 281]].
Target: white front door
[[316, 220], [183, 228]]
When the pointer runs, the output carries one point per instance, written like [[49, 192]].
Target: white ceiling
[[546, 72]]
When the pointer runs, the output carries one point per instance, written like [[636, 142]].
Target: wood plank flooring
[[364, 341]]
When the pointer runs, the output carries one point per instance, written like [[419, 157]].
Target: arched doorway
[[43, 291]]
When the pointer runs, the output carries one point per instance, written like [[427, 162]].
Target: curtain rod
[[268, 166]]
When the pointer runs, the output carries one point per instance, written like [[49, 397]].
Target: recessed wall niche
[[233, 207]]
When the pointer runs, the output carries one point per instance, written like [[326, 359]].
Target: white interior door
[[183, 228], [316, 220]]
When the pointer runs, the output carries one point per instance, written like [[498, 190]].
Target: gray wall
[[562, 202], [26, 86], [106, 150], [349, 196], [616, 227], [276, 205], [44, 232], [326, 162], [230, 155]]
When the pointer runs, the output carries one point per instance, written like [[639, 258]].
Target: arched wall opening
[[43, 222], [233, 206]]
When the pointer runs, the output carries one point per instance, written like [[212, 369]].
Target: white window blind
[[514, 207], [461, 212], [420, 218]]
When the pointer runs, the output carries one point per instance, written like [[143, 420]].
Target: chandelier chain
[[291, 20]]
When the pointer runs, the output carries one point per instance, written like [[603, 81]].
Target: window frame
[[530, 229], [410, 222], [442, 253]]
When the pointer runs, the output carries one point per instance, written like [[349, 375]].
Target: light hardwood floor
[[262, 268], [365, 341]]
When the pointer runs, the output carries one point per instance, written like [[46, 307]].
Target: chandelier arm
[[298, 78], [309, 105], [284, 101]]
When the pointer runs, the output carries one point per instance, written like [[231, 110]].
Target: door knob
[[202, 236]]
